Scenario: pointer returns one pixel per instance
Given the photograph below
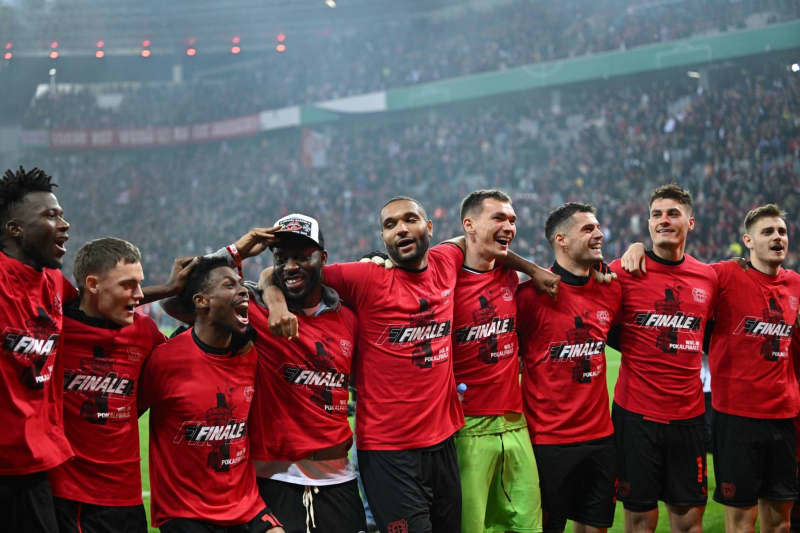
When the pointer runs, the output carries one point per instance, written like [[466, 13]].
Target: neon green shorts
[[499, 478]]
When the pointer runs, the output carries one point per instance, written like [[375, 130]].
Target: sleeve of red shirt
[[451, 255], [350, 280]]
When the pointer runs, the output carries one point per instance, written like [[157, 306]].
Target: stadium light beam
[[99, 54], [235, 49], [795, 67], [191, 52], [53, 55], [145, 53], [280, 48], [330, 3], [693, 74]]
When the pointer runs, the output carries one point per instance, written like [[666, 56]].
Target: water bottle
[[461, 388]]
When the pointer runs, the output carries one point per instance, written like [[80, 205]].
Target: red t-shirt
[[562, 344], [302, 385], [32, 437], [664, 316], [101, 375], [485, 343], [404, 369], [199, 400], [752, 369]]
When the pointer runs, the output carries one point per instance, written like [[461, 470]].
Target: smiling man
[[754, 387], [562, 344], [105, 342], [499, 485], [199, 387], [302, 388], [33, 234], [658, 400]]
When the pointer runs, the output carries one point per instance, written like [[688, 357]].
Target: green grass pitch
[[713, 520]]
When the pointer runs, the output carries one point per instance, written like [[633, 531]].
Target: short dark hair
[[672, 192], [768, 210], [474, 200], [101, 255], [198, 279], [15, 185], [561, 214], [404, 199]]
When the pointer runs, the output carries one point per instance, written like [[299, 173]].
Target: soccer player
[[33, 233], [658, 400], [499, 484], [104, 344], [300, 432], [199, 387], [755, 392], [407, 409], [562, 344]]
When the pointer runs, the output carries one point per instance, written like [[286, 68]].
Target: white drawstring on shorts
[[308, 503]]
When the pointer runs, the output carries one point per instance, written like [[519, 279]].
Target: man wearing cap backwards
[[299, 430], [407, 409]]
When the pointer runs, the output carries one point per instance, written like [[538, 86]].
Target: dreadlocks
[[15, 185]]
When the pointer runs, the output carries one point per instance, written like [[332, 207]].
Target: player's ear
[[323, 257], [12, 228], [200, 300], [691, 223], [90, 283], [469, 226], [747, 240], [430, 227], [558, 239]]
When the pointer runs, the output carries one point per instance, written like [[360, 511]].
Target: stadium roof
[[78, 25]]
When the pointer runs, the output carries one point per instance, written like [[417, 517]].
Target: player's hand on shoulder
[[283, 323], [256, 241], [546, 281], [276, 530], [602, 273], [379, 258], [633, 260]]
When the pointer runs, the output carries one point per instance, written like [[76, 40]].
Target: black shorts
[[659, 461], [754, 458], [577, 483], [413, 491], [264, 521], [334, 508], [79, 517], [26, 504]]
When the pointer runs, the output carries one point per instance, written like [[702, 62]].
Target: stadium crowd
[[605, 144], [405, 52]]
